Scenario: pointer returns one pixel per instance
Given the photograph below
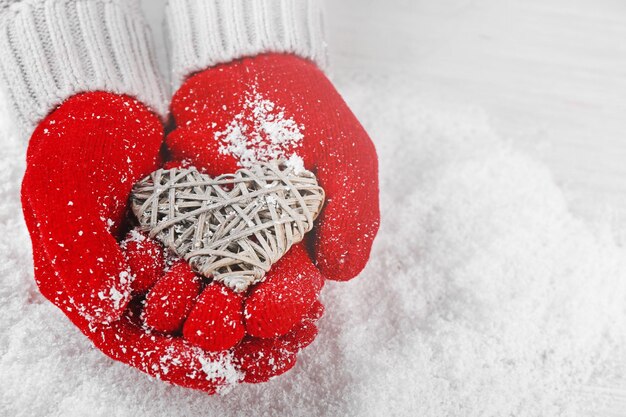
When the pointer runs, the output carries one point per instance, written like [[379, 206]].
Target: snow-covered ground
[[487, 294]]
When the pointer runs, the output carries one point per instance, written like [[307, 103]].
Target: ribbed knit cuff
[[53, 49], [204, 33]]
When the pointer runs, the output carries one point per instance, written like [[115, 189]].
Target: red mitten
[[273, 106]]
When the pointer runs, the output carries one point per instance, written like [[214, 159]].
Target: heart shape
[[234, 227]]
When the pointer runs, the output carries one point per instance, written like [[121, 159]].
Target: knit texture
[[203, 33], [6, 3], [54, 49], [145, 258], [170, 301], [216, 322]]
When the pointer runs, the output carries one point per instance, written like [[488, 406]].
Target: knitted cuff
[[204, 33], [54, 49], [6, 3]]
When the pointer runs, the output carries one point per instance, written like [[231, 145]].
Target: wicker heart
[[233, 227]]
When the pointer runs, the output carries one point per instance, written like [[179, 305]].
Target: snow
[[261, 132], [485, 295], [296, 163]]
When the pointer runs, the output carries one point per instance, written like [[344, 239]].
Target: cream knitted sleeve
[[203, 33], [51, 50]]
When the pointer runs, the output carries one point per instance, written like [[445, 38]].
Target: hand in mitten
[[273, 106]]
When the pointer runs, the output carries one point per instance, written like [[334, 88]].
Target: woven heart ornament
[[231, 228]]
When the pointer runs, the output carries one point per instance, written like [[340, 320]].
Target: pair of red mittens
[[83, 160]]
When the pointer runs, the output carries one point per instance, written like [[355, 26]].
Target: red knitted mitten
[[273, 106]]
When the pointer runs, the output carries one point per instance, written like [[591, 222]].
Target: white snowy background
[[497, 286]]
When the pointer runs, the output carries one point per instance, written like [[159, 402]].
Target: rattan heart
[[233, 227]]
